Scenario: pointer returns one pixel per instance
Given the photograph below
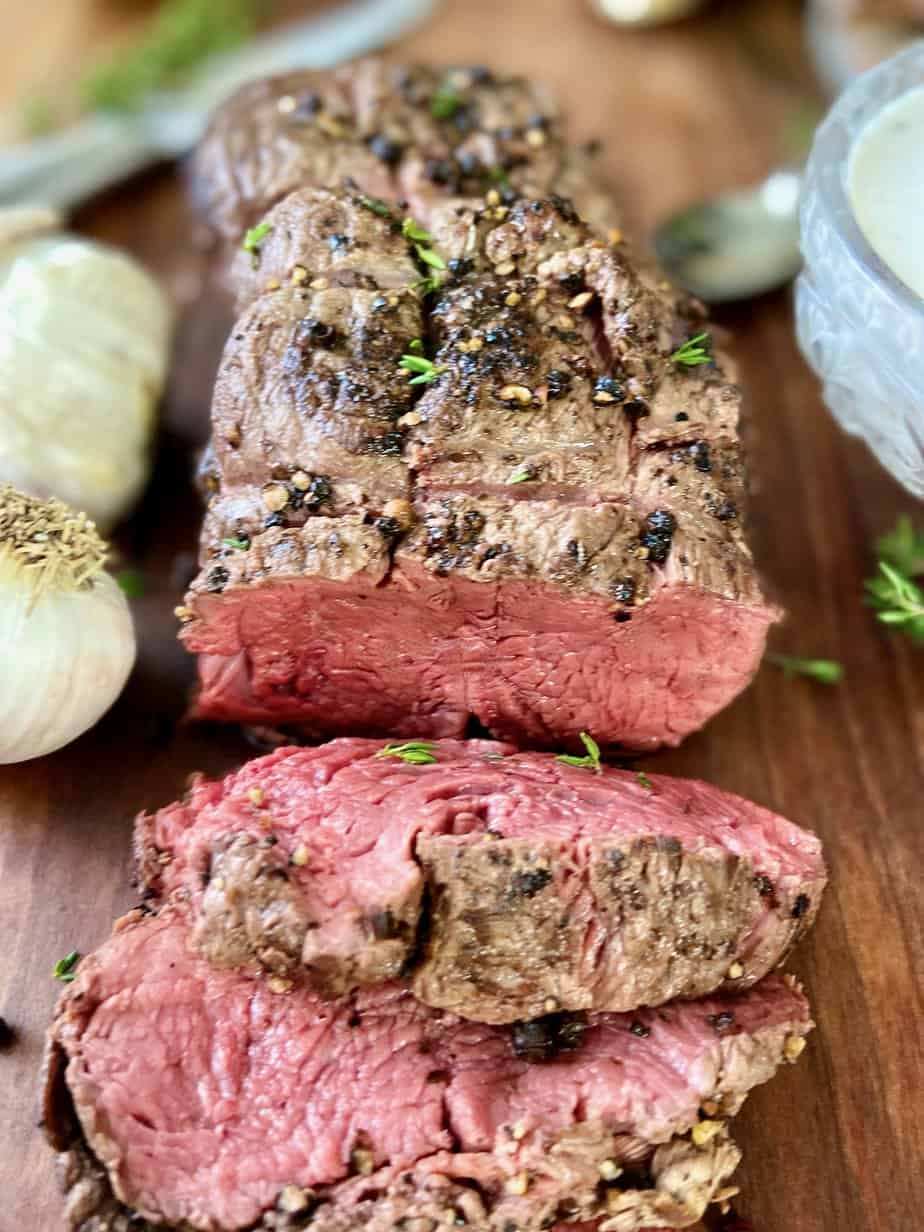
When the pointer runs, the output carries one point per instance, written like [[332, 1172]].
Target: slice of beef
[[505, 885], [418, 134], [542, 542], [215, 1099]]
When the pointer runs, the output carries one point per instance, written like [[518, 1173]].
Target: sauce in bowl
[[885, 179]]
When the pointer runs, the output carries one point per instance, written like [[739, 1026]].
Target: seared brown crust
[[507, 926], [418, 134], [545, 447]]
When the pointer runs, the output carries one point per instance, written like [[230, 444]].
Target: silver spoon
[[737, 245]]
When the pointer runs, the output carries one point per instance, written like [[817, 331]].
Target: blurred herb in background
[[182, 34], [897, 597]]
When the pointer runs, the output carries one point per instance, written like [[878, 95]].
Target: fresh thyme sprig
[[444, 102], [422, 240], [897, 597], [182, 34], [253, 238], [414, 752], [236, 545], [65, 968], [695, 351], [899, 601], [590, 762], [826, 671], [424, 371], [376, 206], [645, 781]]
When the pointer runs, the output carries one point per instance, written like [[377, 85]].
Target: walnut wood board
[[834, 1143]]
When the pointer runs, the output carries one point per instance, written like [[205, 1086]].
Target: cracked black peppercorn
[[388, 528], [319, 491], [800, 906], [7, 1034], [624, 590], [529, 881], [660, 526], [544, 1038], [558, 382], [606, 389], [763, 884], [317, 332], [639, 1029], [217, 578], [385, 148], [701, 459]]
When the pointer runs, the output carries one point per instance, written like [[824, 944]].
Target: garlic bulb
[[84, 337], [67, 643]]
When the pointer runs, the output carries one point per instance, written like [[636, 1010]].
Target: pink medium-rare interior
[[421, 655], [204, 1092]]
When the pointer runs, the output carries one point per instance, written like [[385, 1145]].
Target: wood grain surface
[[834, 1143]]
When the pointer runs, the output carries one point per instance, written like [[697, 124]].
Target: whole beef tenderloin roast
[[214, 1099], [549, 541], [504, 885], [416, 134]]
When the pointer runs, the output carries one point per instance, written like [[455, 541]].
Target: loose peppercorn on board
[[832, 1143]]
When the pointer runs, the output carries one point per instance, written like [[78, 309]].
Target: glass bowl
[[860, 327]]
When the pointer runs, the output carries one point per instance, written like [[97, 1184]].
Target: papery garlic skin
[[64, 659], [84, 341]]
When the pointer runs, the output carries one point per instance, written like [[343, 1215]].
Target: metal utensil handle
[[66, 168]]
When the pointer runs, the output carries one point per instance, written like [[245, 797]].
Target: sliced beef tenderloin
[[513, 547], [416, 134], [504, 885], [220, 1100], [308, 489]]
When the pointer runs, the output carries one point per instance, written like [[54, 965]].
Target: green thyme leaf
[[131, 583], [237, 545], [645, 781], [522, 474], [376, 206], [413, 752], [431, 258], [426, 370], [898, 599], [695, 351], [254, 238], [64, 968], [498, 176], [444, 102], [590, 762], [412, 230], [182, 34], [827, 671], [421, 239]]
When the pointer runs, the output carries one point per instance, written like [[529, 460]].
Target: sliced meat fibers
[[504, 885], [219, 1099], [550, 540], [417, 134]]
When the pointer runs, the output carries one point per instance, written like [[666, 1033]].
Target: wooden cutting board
[[832, 1144]]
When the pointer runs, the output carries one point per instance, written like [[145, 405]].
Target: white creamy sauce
[[886, 186]]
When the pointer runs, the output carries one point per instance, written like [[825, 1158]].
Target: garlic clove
[[84, 341], [67, 644]]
